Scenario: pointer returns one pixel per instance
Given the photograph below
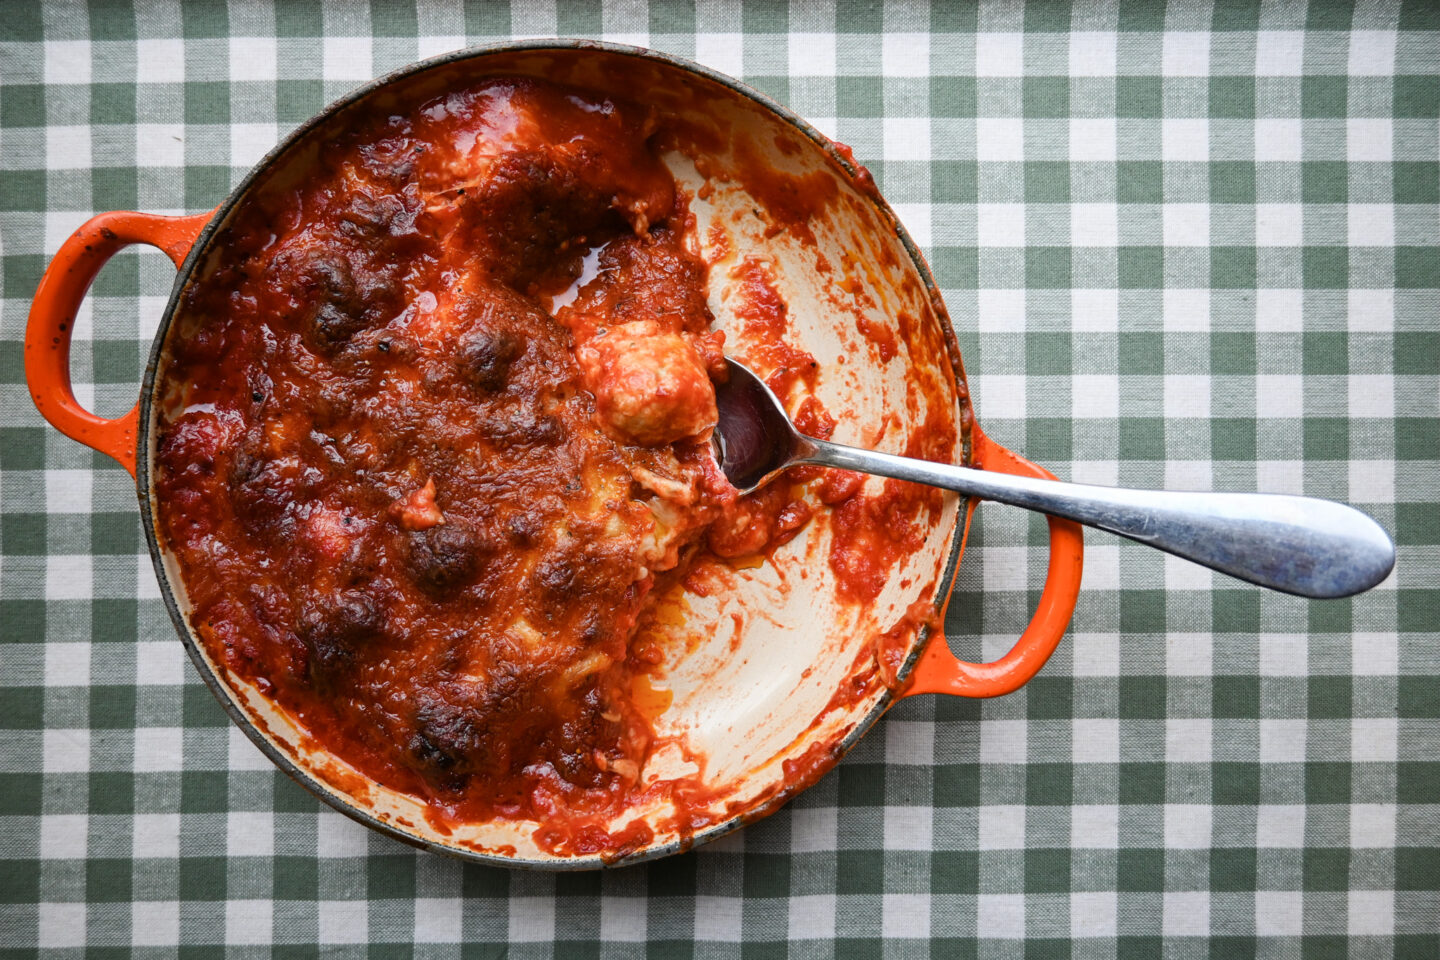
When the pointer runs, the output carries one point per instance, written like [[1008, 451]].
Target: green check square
[[1138, 97], [1141, 267], [1416, 438], [1140, 869], [954, 181], [1417, 96], [1232, 268], [1139, 181], [23, 189], [1326, 868], [1047, 181], [1416, 181], [1330, 698], [1232, 181], [202, 878], [1328, 267], [1325, 352], [949, 96], [1417, 267], [1233, 869], [1047, 871], [1046, 97], [23, 105], [1235, 697], [1327, 782], [1232, 97], [859, 97], [1326, 438], [1324, 181], [113, 103], [1322, 97], [955, 872], [1419, 697], [1417, 523], [1235, 783], [24, 534]]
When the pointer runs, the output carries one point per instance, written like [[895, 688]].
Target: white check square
[[1372, 53], [721, 51], [1283, 741], [1092, 913], [905, 54], [439, 919], [812, 916], [1277, 140], [1372, 826], [1095, 311], [1372, 225], [1279, 913], [1092, 139], [1000, 224], [1279, 224], [1372, 913], [1372, 311], [999, 55], [1279, 53], [1186, 913], [61, 925], [1092, 54], [1185, 139], [1094, 396], [906, 138], [812, 54], [160, 60], [1185, 54], [1369, 139], [249, 922], [1187, 826], [154, 923], [1279, 395], [1095, 826], [254, 58], [1000, 916], [1094, 225], [1000, 139], [1095, 740], [67, 62], [346, 58]]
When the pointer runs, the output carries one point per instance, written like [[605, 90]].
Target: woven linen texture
[[1189, 247]]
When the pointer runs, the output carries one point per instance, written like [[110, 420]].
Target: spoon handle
[[1300, 545]]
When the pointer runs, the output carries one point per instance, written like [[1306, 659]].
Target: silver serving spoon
[[1300, 545]]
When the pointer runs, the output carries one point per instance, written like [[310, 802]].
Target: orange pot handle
[[52, 321], [940, 671]]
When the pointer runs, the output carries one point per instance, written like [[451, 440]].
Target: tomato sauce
[[439, 433]]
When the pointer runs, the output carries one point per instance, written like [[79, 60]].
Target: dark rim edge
[[222, 691]]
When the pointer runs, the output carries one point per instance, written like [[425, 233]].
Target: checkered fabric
[[1195, 247]]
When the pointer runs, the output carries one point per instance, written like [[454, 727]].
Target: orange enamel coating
[[52, 321], [940, 671]]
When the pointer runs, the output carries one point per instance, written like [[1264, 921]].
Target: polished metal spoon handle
[[1300, 545]]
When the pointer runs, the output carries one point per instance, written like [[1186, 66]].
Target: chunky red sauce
[[445, 425]]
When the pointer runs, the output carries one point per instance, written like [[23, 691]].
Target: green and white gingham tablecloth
[[1194, 247]]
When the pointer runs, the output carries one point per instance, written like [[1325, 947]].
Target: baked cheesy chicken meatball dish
[[446, 433]]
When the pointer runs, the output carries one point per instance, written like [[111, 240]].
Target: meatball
[[651, 388], [443, 558], [334, 628]]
